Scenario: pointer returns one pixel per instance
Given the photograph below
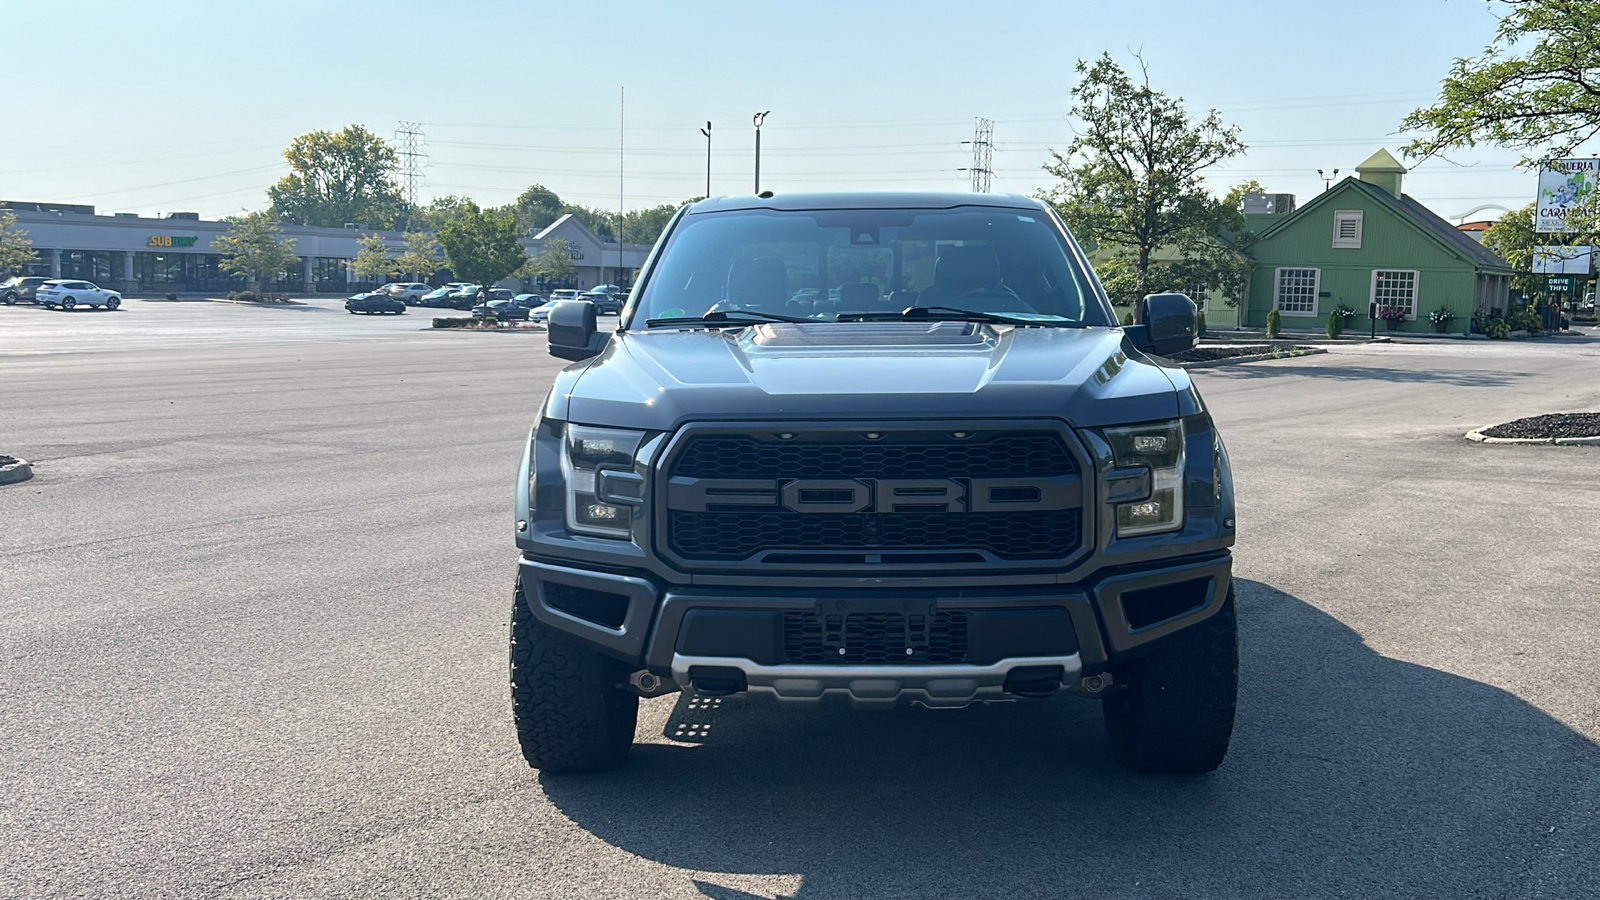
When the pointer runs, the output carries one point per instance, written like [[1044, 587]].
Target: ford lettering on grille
[[882, 495]]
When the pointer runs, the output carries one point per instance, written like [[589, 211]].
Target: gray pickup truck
[[880, 448]]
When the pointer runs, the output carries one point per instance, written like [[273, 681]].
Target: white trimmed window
[[1395, 289], [1347, 229], [1297, 291], [1200, 294]]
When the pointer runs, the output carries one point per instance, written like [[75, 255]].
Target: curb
[[1478, 435], [11, 473], [1287, 354]]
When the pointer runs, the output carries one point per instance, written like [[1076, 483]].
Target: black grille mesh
[[1005, 456], [875, 638], [736, 535]]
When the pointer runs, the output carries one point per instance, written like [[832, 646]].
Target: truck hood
[[660, 379]]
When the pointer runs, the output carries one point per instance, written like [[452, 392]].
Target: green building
[[1364, 240]]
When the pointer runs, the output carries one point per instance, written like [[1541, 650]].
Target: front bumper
[[1081, 628]]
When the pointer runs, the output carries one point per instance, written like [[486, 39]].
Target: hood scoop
[[780, 335]]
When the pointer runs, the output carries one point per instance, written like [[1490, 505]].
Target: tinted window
[[823, 263]]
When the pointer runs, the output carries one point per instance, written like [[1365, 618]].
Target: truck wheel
[[572, 710], [1172, 710]]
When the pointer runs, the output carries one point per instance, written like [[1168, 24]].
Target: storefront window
[[154, 269], [331, 274], [87, 265]]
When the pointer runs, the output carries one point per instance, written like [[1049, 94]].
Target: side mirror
[[572, 330], [1166, 324]]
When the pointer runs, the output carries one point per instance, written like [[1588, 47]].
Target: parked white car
[[67, 294]]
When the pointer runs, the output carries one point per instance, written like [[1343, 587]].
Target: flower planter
[[1441, 326], [1391, 324]]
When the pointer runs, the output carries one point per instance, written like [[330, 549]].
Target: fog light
[[1150, 509], [603, 512]]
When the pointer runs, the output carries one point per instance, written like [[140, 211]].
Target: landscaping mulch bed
[[1559, 425], [1207, 354]]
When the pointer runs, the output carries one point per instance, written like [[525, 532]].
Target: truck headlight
[[589, 451], [1157, 447]]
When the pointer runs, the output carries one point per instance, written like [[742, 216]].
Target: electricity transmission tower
[[982, 167], [412, 156]]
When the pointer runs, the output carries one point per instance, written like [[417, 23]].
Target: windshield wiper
[[938, 314], [728, 317]]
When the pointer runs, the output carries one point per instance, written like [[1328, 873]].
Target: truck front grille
[[875, 638], [720, 526]]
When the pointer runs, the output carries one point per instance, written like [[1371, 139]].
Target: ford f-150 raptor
[[880, 447]]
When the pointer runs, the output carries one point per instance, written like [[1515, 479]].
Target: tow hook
[[1093, 686], [649, 684]]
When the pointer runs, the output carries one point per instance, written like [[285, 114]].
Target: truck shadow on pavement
[[1312, 369], [1350, 773]]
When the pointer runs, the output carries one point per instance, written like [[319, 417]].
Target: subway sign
[[171, 240]]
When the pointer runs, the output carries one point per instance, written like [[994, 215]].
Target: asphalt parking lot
[[253, 615]]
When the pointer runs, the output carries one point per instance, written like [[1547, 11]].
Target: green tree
[[536, 207], [16, 248], [336, 178], [1535, 87], [481, 245], [253, 248], [433, 216], [1131, 180], [373, 259], [421, 257], [644, 226], [552, 263]]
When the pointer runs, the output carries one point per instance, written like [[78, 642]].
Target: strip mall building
[[140, 254]]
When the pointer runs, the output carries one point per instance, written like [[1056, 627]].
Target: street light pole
[[758, 118], [707, 132], [1327, 180]]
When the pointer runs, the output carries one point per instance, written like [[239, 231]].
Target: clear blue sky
[[188, 106]]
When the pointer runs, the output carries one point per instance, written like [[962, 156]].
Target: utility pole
[[622, 131], [707, 132], [409, 137], [758, 118], [982, 167]]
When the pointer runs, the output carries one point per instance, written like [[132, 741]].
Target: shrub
[[1127, 318], [1497, 329], [1274, 324], [1526, 319], [1200, 324], [1335, 324], [455, 322], [171, 296], [244, 296]]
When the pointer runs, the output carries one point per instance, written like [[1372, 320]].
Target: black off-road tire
[[1171, 712], [572, 710]]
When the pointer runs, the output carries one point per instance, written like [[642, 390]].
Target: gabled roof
[[1422, 218], [553, 226]]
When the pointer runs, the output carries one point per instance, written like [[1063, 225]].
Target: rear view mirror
[[573, 331], [1166, 324]]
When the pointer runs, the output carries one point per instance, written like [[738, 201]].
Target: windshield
[[827, 264]]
